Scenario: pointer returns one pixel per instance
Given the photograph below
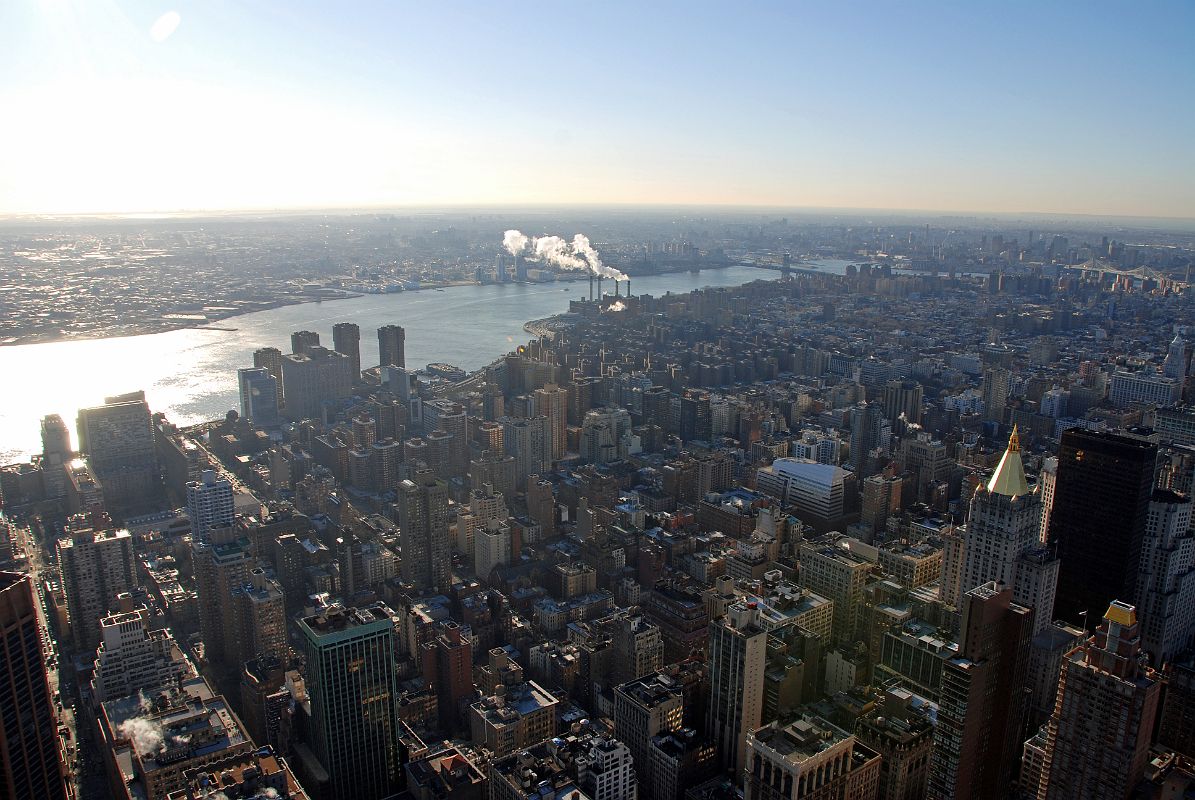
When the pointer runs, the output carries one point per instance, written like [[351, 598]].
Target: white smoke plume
[[556, 251], [145, 734], [617, 305], [515, 242], [581, 246], [577, 255]]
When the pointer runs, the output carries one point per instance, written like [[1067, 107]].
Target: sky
[[118, 106]]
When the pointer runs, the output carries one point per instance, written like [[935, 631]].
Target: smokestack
[[628, 286], [600, 295], [616, 288], [591, 286]]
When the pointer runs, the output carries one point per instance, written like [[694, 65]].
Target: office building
[[529, 441], [131, 656], [1097, 740], [351, 684], [977, 741], [1097, 523], [926, 458], [809, 758], [209, 503], [491, 547], [30, 763], [259, 396], [606, 771], [901, 731], [643, 708], [738, 656], [995, 393], [315, 379], [118, 438], [447, 667], [96, 567], [678, 760], [839, 574], [1177, 727], [552, 402], [451, 418], [260, 774], [55, 438], [903, 399], [346, 339], [1178, 358], [638, 647], [1166, 581], [302, 341], [1002, 539], [1144, 388], [815, 492], [423, 531], [392, 346], [516, 717], [270, 359], [157, 738]]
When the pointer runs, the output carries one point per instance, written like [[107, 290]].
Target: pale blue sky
[[1055, 107]]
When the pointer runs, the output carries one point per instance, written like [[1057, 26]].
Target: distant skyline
[[139, 106]]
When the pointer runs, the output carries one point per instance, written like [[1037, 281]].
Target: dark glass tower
[[352, 685], [346, 338], [392, 346], [29, 764], [1101, 499]]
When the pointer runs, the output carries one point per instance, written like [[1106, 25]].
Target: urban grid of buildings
[[884, 535]]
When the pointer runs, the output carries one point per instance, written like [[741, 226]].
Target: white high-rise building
[[1175, 365], [209, 503], [1002, 541], [132, 657], [607, 772], [1144, 387], [491, 547], [1166, 577]]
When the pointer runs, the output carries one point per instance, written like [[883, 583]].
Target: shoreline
[[168, 326]]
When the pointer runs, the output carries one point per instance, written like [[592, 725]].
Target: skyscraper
[[423, 531], [96, 566], [1097, 741], [392, 346], [55, 437], [903, 397], [447, 666], [346, 339], [1166, 582], [995, 393], [1101, 500], [1003, 539], [118, 438], [302, 341], [738, 656], [352, 686], [259, 396], [270, 359], [209, 503], [29, 764], [313, 379], [552, 402], [982, 700]]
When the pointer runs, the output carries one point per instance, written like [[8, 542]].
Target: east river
[[191, 374]]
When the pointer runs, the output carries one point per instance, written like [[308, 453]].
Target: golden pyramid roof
[[1009, 478]]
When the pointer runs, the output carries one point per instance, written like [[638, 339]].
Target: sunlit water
[[191, 374]]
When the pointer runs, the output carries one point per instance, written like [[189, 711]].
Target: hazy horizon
[[140, 107]]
